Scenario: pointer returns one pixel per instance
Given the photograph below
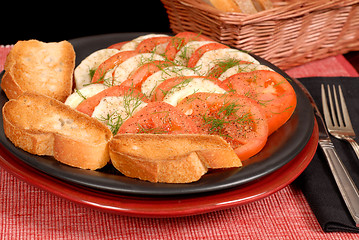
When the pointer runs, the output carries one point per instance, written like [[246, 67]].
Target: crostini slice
[[45, 126], [167, 158], [44, 68]]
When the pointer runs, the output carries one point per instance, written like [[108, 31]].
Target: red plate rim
[[175, 206]]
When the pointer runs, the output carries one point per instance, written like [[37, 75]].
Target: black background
[[56, 21]]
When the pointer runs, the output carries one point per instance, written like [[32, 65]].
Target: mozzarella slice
[[82, 72], [149, 85], [211, 58], [113, 111], [160, 48], [119, 74], [187, 50], [189, 87], [81, 94], [242, 68], [131, 45]]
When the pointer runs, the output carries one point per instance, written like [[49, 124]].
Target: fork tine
[[344, 108], [326, 112], [339, 115], [332, 110]]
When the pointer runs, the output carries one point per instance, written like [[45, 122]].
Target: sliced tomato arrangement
[[239, 120], [244, 109], [159, 118], [271, 90]]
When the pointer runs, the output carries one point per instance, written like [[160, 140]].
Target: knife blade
[[345, 183]]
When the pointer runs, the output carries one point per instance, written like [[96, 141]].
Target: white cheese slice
[[119, 74], [189, 87], [113, 111], [81, 94], [211, 58], [185, 53], [82, 71], [131, 45], [242, 68], [160, 48], [149, 85]]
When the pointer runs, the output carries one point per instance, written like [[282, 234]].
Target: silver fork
[[337, 119], [345, 183]]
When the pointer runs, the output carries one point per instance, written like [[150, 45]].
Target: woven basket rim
[[292, 10], [292, 33]]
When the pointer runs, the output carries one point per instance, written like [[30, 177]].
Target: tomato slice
[[271, 90], [159, 118], [181, 39], [138, 76], [149, 45], [202, 50], [238, 119], [111, 63], [88, 105], [118, 45]]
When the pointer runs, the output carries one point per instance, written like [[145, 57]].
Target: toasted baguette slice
[[45, 68], [224, 5], [262, 5], [44, 126], [170, 158], [243, 6]]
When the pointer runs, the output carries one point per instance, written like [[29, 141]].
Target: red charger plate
[[175, 206]]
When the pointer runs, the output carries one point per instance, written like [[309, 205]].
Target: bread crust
[[246, 6], [262, 5], [44, 126], [225, 5], [45, 68], [167, 158], [180, 169], [243, 6], [9, 85]]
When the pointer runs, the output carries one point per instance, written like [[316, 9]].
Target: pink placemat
[[27, 212]]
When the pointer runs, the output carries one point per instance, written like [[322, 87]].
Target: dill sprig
[[92, 72], [223, 65], [113, 121], [178, 86], [80, 93], [105, 81], [226, 114], [215, 125], [131, 103]]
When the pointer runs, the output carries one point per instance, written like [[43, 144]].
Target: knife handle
[[344, 182], [354, 145]]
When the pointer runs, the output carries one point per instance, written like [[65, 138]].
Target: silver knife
[[344, 182]]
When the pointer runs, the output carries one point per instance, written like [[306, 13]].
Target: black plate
[[282, 146]]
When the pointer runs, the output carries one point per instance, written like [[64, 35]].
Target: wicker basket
[[290, 34]]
